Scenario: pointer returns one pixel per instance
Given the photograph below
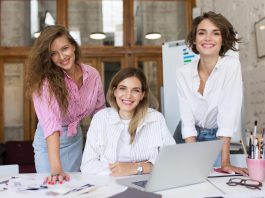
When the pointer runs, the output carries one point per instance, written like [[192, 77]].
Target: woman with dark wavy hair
[[64, 91], [210, 89]]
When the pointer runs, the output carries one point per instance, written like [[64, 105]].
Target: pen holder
[[256, 169]]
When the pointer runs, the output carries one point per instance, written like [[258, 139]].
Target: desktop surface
[[107, 186]]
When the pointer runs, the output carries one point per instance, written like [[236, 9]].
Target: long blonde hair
[[141, 108], [42, 68]]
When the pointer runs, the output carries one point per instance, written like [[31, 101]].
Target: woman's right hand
[[57, 177], [57, 173]]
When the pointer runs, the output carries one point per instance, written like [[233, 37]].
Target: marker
[[259, 149], [255, 129], [252, 151], [262, 153], [249, 145], [256, 149]]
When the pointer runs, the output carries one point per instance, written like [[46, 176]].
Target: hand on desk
[[59, 177], [129, 168], [233, 169], [122, 168]]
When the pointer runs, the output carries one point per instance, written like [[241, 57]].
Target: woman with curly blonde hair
[[64, 91]]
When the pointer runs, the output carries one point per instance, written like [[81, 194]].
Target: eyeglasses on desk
[[249, 183]]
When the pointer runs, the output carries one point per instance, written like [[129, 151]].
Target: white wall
[[243, 14]]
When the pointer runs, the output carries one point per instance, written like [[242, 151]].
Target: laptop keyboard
[[141, 183]]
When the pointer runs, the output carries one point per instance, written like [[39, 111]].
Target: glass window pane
[[21, 19], [15, 23], [13, 101], [150, 70], [42, 14], [166, 17], [109, 69], [86, 17]]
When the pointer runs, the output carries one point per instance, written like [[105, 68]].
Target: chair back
[[21, 153], [8, 169]]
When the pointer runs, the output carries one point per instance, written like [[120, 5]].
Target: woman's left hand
[[234, 169], [122, 168]]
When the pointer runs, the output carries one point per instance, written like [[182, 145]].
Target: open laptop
[[178, 165]]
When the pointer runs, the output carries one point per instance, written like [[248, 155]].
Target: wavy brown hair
[[142, 107], [228, 33], [41, 67]]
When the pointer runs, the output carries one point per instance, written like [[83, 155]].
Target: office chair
[[21, 153], [177, 134], [8, 169]]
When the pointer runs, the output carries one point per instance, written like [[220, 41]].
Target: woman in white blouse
[[210, 88], [125, 138]]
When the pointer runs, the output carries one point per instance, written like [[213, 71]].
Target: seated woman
[[125, 138]]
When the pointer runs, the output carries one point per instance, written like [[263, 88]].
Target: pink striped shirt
[[82, 102]]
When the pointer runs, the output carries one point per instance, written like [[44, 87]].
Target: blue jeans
[[203, 135], [70, 151]]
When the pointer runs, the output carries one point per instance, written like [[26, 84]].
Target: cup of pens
[[256, 169], [256, 156]]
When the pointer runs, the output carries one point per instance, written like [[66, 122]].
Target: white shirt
[[104, 133], [219, 106], [124, 147]]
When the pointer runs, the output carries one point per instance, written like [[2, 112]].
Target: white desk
[[236, 191], [213, 188]]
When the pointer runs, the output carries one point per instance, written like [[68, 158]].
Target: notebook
[[178, 165]]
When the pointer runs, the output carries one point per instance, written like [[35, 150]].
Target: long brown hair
[[142, 107], [228, 33], [41, 67]]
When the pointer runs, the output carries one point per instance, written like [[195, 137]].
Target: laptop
[[178, 165]]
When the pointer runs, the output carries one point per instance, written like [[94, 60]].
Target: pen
[[255, 129], [249, 145], [256, 150], [252, 151], [37, 188], [252, 148], [4, 182], [262, 146], [78, 189]]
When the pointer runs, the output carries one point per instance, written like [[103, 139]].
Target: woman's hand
[[226, 165], [128, 168], [234, 169], [58, 177], [123, 168]]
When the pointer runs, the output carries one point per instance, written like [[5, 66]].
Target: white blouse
[[104, 133], [124, 147], [219, 106]]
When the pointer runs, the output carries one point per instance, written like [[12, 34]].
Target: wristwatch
[[139, 169]]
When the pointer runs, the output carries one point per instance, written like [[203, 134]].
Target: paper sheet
[[217, 172]]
